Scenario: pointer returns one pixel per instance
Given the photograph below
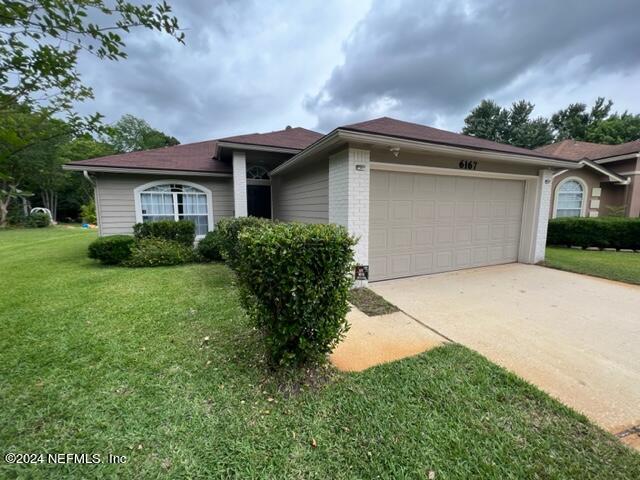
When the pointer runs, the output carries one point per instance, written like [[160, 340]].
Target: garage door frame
[[530, 205]]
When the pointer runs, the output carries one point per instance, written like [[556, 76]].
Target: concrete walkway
[[577, 337], [374, 340]]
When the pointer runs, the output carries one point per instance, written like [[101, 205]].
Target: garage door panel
[[379, 183], [400, 211], [424, 211], [463, 258], [423, 263], [400, 185], [378, 239], [444, 235], [445, 212], [379, 212], [422, 224], [400, 239], [423, 236], [400, 265], [444, 260], [424, 186], [463, 235], [464, 211], [481, 233]]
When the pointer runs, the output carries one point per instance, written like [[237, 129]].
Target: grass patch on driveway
[[113, 360], [370, 302], [620, 266]]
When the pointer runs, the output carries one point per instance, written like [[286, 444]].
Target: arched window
[[570, 197], [175, 200], [257, 172]]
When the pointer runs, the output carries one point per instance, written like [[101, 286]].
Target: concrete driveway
[[576, 337]]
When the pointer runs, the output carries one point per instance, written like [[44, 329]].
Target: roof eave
[[153, 171], [625, 156], [261, 148], [605, 171], [420, 145]]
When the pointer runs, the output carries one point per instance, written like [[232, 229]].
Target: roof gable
[[295, 138], [414, 131]]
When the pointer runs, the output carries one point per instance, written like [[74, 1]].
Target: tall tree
[[40, 41], [617, 128], [131, 134], [576, 120], [508, 125]]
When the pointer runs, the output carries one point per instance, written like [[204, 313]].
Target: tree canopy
[[512, 125], [515, 126], [131, 134]]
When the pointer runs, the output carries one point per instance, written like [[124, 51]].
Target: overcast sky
[[255, 66]]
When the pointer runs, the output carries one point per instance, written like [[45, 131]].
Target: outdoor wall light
[[395, 151]]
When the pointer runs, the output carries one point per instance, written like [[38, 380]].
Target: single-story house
[[607, 184], [421, 200]]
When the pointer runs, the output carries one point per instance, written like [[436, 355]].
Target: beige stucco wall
[[302, 195], [115, 202]]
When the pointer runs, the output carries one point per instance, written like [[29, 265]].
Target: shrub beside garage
[[605, 232], [294, 282]]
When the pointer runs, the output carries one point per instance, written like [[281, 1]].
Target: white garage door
[[422, 224]]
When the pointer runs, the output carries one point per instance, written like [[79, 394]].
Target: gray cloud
[[251, 66], [246, 66], [430, 61]]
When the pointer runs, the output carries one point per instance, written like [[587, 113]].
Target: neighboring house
[[420, 200], [608, 182]]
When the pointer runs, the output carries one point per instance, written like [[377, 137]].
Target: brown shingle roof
[[201, 156], [414, 131], [576, 150], [196, 157], [296, 138]]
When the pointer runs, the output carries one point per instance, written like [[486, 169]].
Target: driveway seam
[[426, 326]]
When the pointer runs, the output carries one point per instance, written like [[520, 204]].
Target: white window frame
[[138, 203], [585, 193]]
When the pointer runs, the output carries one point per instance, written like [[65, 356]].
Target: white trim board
[[144, 171], [395, 167]]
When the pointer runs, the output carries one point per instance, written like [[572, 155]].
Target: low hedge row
[[183, 231], [604, 232], [294, 280], [153, 244]]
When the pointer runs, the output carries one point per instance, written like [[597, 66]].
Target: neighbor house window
[[570, 199], [175, 201]]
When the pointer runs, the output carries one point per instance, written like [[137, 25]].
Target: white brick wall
[[349, 198], [544, 207], [240, 184]]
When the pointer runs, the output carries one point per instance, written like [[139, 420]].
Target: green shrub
[[37, 220], [183, 232], [294, 282], [88, 212], [209, 247], [112, 250], [228, 231], [605, 232], [156, 252]]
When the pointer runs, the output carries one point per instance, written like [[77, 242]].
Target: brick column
[[349, 198], [542, 220], [240, 184]]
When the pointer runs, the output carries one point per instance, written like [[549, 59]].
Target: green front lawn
[[621, 266], [160, 365]]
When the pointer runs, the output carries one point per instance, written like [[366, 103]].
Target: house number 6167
[[468, 164]]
